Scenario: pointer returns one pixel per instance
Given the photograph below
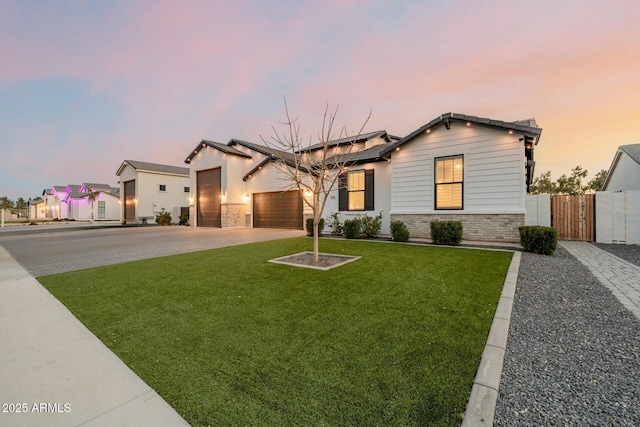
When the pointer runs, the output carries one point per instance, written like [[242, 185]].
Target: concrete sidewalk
[[55, 372], [620, 276]]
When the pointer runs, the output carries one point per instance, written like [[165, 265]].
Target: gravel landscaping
[[629, 253], [573, 354]]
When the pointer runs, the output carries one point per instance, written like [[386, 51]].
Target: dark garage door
[[208, 184], [277, 210], [130, 201]]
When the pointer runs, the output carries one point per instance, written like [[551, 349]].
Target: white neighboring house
[[618, 204], [624, 173], [104, 208], [148, 189], [61, 208]]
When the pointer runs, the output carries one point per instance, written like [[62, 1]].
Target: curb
[[481, 406]]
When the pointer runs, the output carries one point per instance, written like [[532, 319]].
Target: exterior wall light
[[246, 198]]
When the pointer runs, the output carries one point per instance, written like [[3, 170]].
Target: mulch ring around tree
[[325, 261]]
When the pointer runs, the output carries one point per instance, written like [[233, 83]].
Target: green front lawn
[[226, 338]]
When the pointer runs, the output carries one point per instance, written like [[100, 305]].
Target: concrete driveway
[[59, 251]]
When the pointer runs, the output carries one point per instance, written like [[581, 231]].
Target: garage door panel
[[130, 201], [208, 194], [277, 210]]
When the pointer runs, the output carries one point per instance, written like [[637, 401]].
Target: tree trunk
[[316, 241]]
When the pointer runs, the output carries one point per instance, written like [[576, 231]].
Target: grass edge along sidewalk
[[227, 338]]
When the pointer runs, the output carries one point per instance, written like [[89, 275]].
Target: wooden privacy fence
[[574, 217]]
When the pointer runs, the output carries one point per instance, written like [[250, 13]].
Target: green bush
[[335, 225], [399, 231], [163, 218], [353, 228], [371, 225], [184, 219], [539, 239], [446, 232], [310, 226]]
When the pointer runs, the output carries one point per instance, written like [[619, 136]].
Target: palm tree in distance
[[92, 195]]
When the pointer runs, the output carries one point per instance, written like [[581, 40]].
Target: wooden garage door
[[208, 184], [277, 210], [130, 201]]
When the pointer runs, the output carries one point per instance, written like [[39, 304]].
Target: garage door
[[208, 195], [130, 201], [277, 210]]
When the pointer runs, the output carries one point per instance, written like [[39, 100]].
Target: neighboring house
[[458, 167], [72, 202], [624, 173], [47, 208], [148, 189], [37, 208], [61, 208]]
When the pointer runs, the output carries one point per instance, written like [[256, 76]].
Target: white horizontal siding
[[493, 169]]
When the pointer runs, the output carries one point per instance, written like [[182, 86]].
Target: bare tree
[[314, 172]]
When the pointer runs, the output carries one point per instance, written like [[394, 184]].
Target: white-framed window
[[449, 182], [162, 187], [101, 210], [187, 189]]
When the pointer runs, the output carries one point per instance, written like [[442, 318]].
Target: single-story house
[[104, 208], [460, 167], [624, 172], [148, 189]]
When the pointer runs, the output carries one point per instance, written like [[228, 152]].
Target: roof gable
[[524, 127], [225, 148], [631, 150], [351, 140]]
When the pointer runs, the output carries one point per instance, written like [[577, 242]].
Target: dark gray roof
[[60, 188], [351, 140], [73, 188], [263, 149], [632, 150], [77, 195], [225, 148], [372, 154], [154, 167], [524, 127], [94, 186]]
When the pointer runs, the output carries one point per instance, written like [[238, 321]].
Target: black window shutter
[[343, 203], [368, 190]]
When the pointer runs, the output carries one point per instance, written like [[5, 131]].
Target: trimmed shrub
[[164, 218], [184, 219], [335, 225], [446, 232], [539, 239], [371, 225], [399, 231], [310, 226], [353, 228]]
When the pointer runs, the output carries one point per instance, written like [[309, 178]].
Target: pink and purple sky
[[87, 84]]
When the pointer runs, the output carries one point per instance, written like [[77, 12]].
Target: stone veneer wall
[[233, 215], [479, 227]]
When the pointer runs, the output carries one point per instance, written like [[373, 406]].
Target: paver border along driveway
[[69, 250]]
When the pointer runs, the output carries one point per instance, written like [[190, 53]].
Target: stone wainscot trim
[[478, 227]]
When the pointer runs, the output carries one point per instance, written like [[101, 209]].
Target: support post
[[2, 217]]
